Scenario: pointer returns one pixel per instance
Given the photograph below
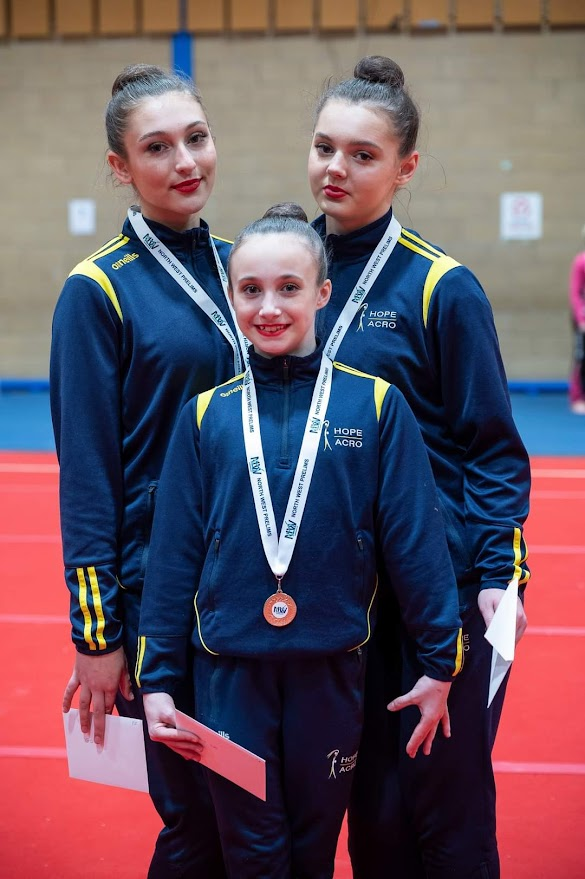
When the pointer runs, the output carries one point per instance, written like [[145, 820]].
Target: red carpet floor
[[55, 827]]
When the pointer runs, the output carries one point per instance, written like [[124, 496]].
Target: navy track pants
[[188, 846], [304, 717], [432, 817]]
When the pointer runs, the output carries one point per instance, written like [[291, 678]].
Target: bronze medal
[[280, 609]]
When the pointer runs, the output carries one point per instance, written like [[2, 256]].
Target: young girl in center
[[284, 490]]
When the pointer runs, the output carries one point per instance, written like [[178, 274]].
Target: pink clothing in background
[[577, 304]]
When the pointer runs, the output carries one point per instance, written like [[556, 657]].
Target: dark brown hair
[[378, 82], [286, 217], [132, 85]]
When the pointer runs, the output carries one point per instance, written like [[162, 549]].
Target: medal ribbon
[[279, 550], [185, 279], [375, 265]]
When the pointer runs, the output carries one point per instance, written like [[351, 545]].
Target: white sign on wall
[[520, 216], [81, 216]]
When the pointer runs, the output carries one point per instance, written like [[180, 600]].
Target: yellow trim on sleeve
[[522, 575], [351, 370], [412, 246], [380, 386], [85, 609], [203, 401], [459, 654], [139, 658], [439, 268], [90, 270], [421, 242], [109, 247], [99, 611], [380, 391]]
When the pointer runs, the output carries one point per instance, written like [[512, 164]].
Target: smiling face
[[170, 159], [275, 293], [355, 166]]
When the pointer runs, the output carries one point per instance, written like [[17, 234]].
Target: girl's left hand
[[162, 726], [431, 697]]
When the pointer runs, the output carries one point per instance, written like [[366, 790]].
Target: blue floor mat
[[544, 420]]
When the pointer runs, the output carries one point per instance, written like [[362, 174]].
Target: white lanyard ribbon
[[185, 279], [375, 265], [279, 550]]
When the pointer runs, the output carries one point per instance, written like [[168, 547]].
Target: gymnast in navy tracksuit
[[279, 624], [404, 310], [130, 346]]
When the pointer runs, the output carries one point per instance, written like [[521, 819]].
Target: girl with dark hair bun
[[140, 326], [402, 309], [279, 491]]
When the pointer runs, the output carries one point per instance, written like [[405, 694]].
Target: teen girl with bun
[[141, 325], [403, 310]]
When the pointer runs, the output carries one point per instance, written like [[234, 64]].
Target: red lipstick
[[187, 186], [334, 192]]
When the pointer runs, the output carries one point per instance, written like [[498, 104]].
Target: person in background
[[405, 311], [577, 306], [140, 326], [331, 460]]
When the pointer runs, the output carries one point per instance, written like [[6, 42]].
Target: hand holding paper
[[120, 761], [160, 712], [501, 634], [228, 758]]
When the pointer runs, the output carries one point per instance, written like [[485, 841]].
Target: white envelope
[[501, 634], [227, 758], [121, 762]]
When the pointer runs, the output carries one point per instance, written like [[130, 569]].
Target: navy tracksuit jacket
[[293, 695], [427, 326], [129, 348]]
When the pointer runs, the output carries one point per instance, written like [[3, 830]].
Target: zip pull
[[285, 369]]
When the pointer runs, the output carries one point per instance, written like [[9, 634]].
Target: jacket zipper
[[285, 410]]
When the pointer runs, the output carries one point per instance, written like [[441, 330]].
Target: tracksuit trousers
[[304, 717], [428, 817]]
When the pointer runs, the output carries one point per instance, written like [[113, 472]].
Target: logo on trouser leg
[[338, 764]]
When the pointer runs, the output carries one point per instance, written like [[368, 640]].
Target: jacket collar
[[179, 242], [269, 370], [354, 245]]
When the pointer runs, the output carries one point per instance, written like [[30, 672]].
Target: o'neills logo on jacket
[[130, 257], [348, 437], [377, 318]]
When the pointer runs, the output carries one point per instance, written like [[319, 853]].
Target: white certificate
[[120, 762]]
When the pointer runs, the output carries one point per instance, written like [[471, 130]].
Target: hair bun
[[286, 210], [378, 68], [136, 73]]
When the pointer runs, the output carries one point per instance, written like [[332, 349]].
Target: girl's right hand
[[159, 709]]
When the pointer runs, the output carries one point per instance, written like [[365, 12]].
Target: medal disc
[[279, 609]]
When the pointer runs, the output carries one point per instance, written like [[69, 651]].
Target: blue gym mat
[[545, 422]]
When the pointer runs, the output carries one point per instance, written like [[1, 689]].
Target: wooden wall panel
[[249, 15], [384, 15], [29, 18], [294, 16], [338, 14], [520, 13], [74, 18], [566, 12], [117, 17], [204, 17], [160, 17], [3, 19], [428, 14], [474, 14]]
